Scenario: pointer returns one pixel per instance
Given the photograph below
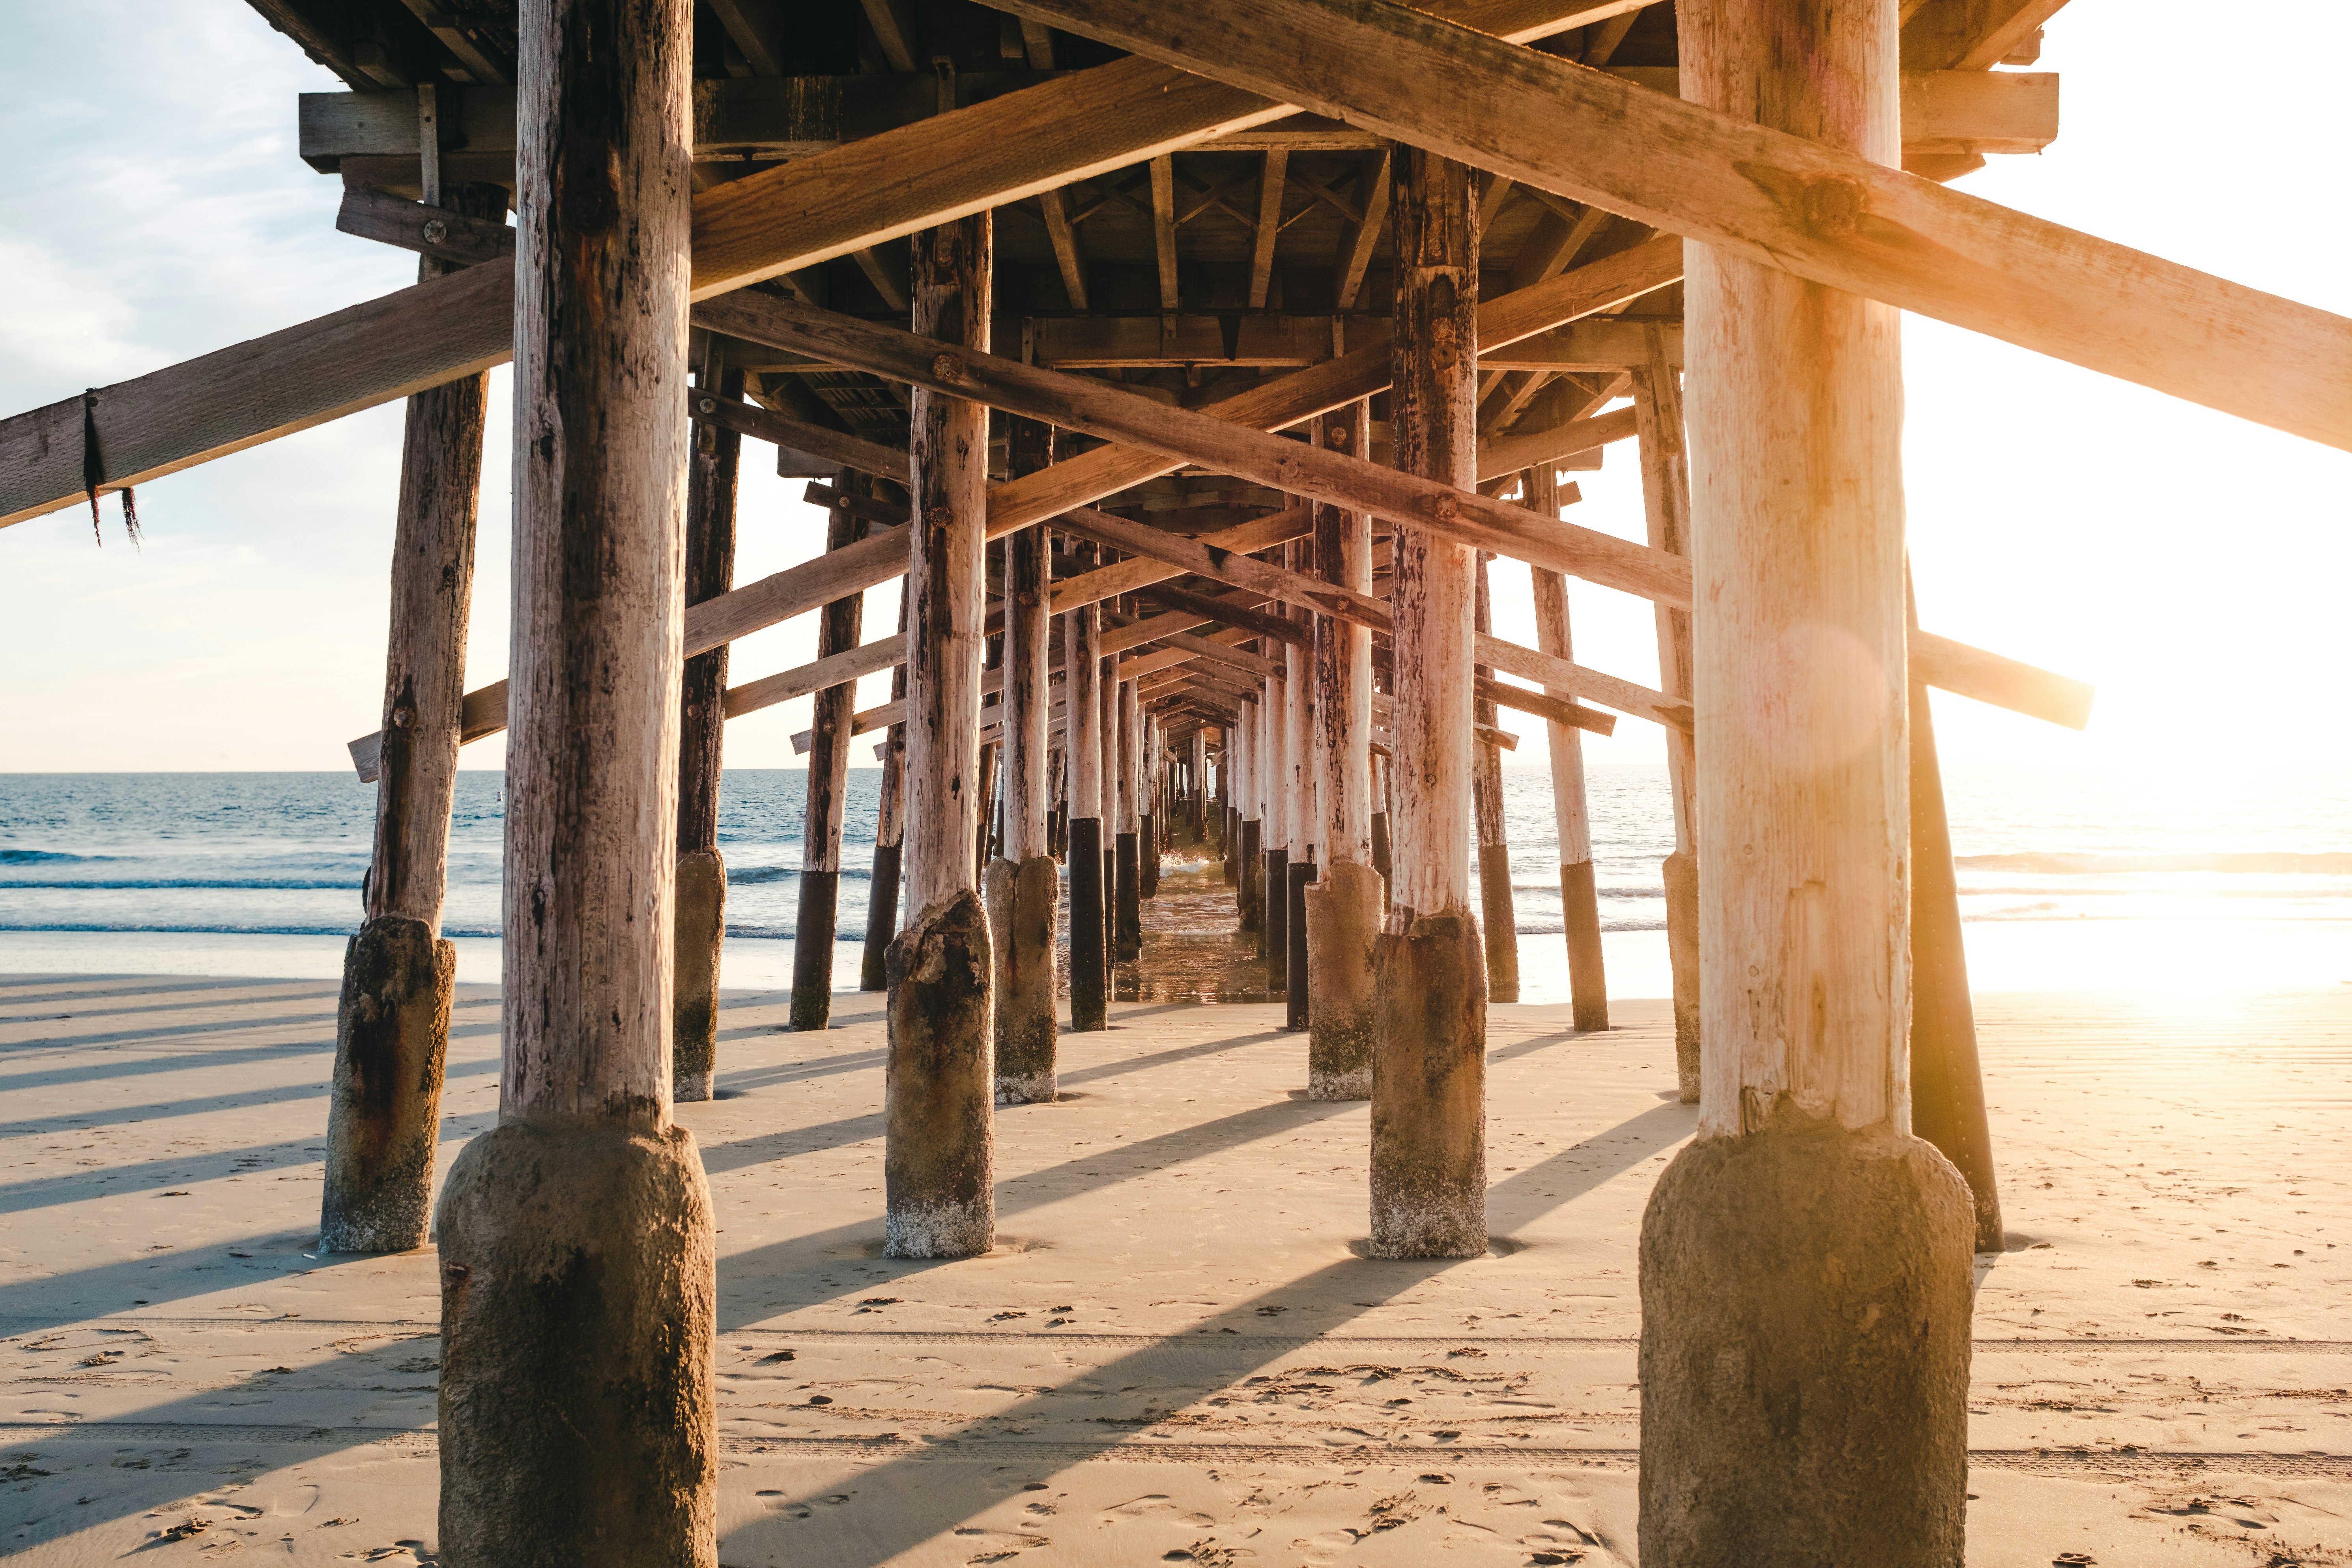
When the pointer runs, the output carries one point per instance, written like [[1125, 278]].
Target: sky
[[2188, 563]]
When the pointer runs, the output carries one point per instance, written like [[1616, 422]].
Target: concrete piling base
[[820, 910], [1021, 901], [1090, 974], [578, 1293], [1127, 888], [1298, 1007], [384, 1114], [1274, 923], [881, 919], [1247, 880], [1804, 1362], [697, 936], [1588, 980], [938, 1089], [1343, 930], [1429, 1092], [1500, 923], [1682, 951]]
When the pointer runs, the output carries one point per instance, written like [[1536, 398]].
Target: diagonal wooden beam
[[768, 224], [1354, 257], [1069, 255], [1820, 213], [1163, 226], [1273, 180]]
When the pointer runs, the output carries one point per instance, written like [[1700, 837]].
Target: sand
[[1178, 1353]]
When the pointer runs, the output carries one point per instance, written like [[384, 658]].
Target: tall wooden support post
[[391, 1025], [1274, 809], [577, 1254], [699, 935], [1107, 687], [1343, 908], [1082, 724], [1301, 776], [1382, 861], [1429, 1062], [839, 626], [940, 1088], [1947, 1098], [1805, 1260], [1501, 924], [1580, 898], [889, 831], [1024, 887], [1126, 926], [1666, 501]]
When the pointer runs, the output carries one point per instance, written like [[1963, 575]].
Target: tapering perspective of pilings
[[699, 933], [392, 1021], [1024, 887], [1343, 908], [577, 1251], [1429, 1073], [1805, 1261], [938, 1196]]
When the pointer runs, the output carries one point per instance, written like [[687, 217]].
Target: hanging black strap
[[93, 472]]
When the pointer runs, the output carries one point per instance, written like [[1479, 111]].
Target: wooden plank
[[1943, 111], [893, 22], [370, 354], [1509, 454], [1163, 226], [1825, 214], [1069, 253], [437, 232], [1354, 257], [1273, 178]]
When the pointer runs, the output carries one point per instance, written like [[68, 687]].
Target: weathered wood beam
[[1069, 251], [1354, 257], [452, 327], [1274, 179], [1822, 213]]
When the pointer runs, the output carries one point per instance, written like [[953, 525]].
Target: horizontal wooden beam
[[1781, 201], [371, 137]]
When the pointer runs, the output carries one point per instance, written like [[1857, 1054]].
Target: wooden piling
[[698, 933], [391, 1022], [1343, 908], [1501, 922], [1301, 776], [839, 626], [576, 1247], [1126, 926], [1580, 898], [1082, 708], [889, 829], [1273, 815], [1428, 1143], [1804, 1237], [1024, 887], [1947, 1098], [939, 1191], [1667, 503]]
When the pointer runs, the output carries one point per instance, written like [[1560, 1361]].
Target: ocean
[[2066, 882]]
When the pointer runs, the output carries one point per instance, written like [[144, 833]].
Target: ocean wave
[[751, 876], [2327, 863], [270, 884], [43, 858]]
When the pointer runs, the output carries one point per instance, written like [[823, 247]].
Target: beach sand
[[1177, 1354]]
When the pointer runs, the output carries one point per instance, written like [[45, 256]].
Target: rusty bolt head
[[402, 718], [708, 405], [435, 231], [948, 368]]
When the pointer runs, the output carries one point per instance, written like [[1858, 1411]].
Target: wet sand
[[1178, 1355]]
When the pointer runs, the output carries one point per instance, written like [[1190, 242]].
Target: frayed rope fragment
[[93, 473]]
